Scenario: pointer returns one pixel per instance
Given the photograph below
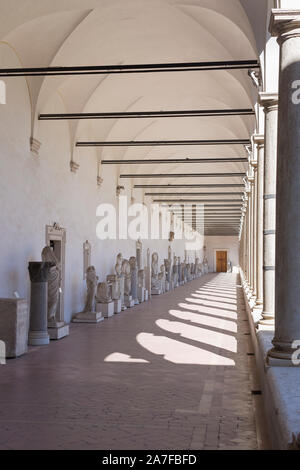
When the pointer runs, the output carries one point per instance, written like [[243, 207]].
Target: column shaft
[[286, 25], [259, 141], [270, 103]]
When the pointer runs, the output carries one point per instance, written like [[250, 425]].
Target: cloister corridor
[[177, 372]]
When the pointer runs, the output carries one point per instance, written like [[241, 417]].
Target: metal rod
[[202, 201], [162, 143], [148, 114], [205, 203], [173, 186], [195, 194], [174, 160], [138, 68], [185, 175]]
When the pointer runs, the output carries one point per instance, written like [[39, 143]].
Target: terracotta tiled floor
[[169, 374]]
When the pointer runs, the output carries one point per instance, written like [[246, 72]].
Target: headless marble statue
[[134, 279], [162, 278], [91, 283], [156, 286], [53, 283], [120, 275], [127, 277]]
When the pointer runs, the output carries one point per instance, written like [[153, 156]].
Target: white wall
[[36, 191], [230, 243]]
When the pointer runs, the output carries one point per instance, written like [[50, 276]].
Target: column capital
[[284, 22], [40, 271], [268, 100]]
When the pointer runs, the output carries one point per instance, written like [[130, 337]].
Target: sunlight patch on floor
[[202, 335], [205, 320], [120, 357], [180, 353], [209, 310]]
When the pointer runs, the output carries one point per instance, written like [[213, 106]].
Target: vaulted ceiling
[[106, 32]]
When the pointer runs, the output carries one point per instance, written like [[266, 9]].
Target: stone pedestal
[[58, 330], [88, 317], [118, 305], [107, 309], [39, 275], [14, 319], [155, 291], [141, 294], [129, 302]]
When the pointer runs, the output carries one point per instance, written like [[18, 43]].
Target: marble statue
[[142, 285], [189, 272], [118, 266], [156, 287], [121, 278], [90, 313], [168, 273], [127, 277], [205, 265], [134, 279], [197, 268], [104, 293], [53, 282], [141, 278], [148, 276], [139, 254], [162, 278], [91, 283], [114, 281], [175, 272], [178, 269]]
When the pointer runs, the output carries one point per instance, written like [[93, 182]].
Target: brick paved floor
[[169, 374]]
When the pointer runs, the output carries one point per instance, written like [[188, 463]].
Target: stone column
[[270, 103], [286, 25], [245, 239], [254, 233], [39, 275], [250, 236], [260, 142]]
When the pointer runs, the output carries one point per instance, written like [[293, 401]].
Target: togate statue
[[91, 283], [53, 282], [118, 266], [127, 277], [162, 278]]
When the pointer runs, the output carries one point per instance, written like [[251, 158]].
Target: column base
[[38, 338], [281, 359], [252, 302], [267, 320]]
